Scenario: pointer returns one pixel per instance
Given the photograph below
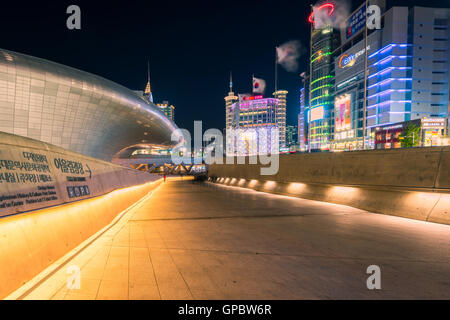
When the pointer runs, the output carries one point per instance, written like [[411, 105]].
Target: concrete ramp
[[412, 183], [51, 200]]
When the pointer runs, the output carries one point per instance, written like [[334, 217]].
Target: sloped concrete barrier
[[412, 183], [52, 200], [36, 175]]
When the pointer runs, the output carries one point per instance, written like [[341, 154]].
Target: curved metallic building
[[75, 110]]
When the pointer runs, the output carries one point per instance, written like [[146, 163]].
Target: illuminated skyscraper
[[253, 127], [168, 109], [304, 111], [407, 74], [281, 96], [324, 40], [252, 118], [148, 90], [291, 137], [229, 100]]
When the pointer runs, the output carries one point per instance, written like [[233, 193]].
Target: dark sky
[[191, 45]]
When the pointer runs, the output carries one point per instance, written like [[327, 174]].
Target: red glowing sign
[[253, 98], [329, 6]]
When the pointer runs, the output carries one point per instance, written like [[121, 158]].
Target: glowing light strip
[[387, 59], [322, 96], [321, 55], [325, 85], [346, 81], [320, 51], [387, 81], [389, 46], [325, 77], [388, 102], [386, 70], [387, 91]]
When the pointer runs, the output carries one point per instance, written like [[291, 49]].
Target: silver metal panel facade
[[75, 110]]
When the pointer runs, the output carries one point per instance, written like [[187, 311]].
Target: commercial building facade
[[408, 66], [407, 74], [254, 126], [324, 39], [431, 132], [252, 119], [349, 86]]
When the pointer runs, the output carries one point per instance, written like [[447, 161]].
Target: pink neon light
[[253, 98], [325, 5]]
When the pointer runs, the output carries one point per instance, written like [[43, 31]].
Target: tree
[[410, 136]]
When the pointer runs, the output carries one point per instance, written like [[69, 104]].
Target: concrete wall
[[32, 241], [43, 220], [35, 175], [413, 183]]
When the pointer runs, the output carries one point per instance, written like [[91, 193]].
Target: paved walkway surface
[[204, 241]]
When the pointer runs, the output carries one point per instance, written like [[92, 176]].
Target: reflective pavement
[[192, 240]]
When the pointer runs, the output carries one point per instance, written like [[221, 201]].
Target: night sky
[[192, 46]]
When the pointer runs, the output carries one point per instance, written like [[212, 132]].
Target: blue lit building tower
[[303, 114], [408, 66]]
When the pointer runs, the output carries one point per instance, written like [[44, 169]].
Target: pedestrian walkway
[[191, 240]]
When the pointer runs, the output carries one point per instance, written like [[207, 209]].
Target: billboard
[[349, 60], [317, 113], [343, 112], [356, 22]]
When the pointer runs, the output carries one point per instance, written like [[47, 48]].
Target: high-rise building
[[254, 128], [291, 137], [304, 111], [165, 107], [168, 109], [349, 64], [407, 72], [324, 39], [229, 100], [409, 65], [281, 96], [148, 90], [251, 117]]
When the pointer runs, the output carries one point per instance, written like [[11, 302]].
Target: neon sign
[[253, 98], [343, 112], [329, 6], [349, 60]]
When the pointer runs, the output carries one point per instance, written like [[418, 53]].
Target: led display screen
[[317, 113], [343, 112]]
